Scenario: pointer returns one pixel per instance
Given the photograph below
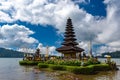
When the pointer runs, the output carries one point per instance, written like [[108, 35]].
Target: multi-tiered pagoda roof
[[69, 43]]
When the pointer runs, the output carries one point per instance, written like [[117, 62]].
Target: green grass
[[57, 67], [91, 69], [64, 62], [42, 65], [32, 63], [81, 69], [101, 67]]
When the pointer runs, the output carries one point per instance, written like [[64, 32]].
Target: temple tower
[[37, 55], [69, 48]]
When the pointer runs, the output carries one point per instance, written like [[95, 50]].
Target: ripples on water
[[11, 70]]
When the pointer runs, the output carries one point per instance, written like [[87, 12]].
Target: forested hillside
[[10, 53], [112, 54]]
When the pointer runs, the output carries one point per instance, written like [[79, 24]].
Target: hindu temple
[[69, 47]]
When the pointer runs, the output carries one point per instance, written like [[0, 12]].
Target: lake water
[[11, 70]]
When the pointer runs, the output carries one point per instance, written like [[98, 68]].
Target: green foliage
[[101, 67], [57, 67], [81, 70], [115, 54], [42, 65], [91, 61], [50, 62], [91, 69], [64, 62], [10, 53], [28, 63]]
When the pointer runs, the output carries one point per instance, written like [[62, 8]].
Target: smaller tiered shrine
[[37, 56]]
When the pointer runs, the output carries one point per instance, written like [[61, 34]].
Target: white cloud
[[110, 34], [83, 45], [43, 49], [81, 1], [5, 17], [46, 12], [16, 36], [41, 12], [103, 49], [26, 50]]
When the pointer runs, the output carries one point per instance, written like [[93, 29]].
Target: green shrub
[[28, 62], [87, 63], [64, 62], [22, 62], [87, 70], [42, 65], [91, 61], [50, 62], [91, 69], [81, 70], [101, 67], [73, 69], [57, 67]]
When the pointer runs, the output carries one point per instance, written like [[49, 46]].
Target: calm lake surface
[[11, 70]]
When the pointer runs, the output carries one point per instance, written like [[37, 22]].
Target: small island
[[71, 59]]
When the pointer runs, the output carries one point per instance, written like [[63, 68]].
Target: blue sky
[[94, 7], [42, 22]]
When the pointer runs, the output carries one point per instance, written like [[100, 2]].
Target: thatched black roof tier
[[69, 43], [69, 38], [69, 49]]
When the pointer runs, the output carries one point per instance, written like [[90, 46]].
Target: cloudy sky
[[29, 23]]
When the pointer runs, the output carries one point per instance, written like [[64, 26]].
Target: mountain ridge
[[6, 53], [115, 54]]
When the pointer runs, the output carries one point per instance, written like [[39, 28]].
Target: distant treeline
[[112, 54], [6, 53]]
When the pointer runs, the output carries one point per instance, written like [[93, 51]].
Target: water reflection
[[11, 70], [36, 74], [109, 75]]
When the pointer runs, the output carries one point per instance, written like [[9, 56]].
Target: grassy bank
[[32, 63], [91, 69], [74, 66]]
